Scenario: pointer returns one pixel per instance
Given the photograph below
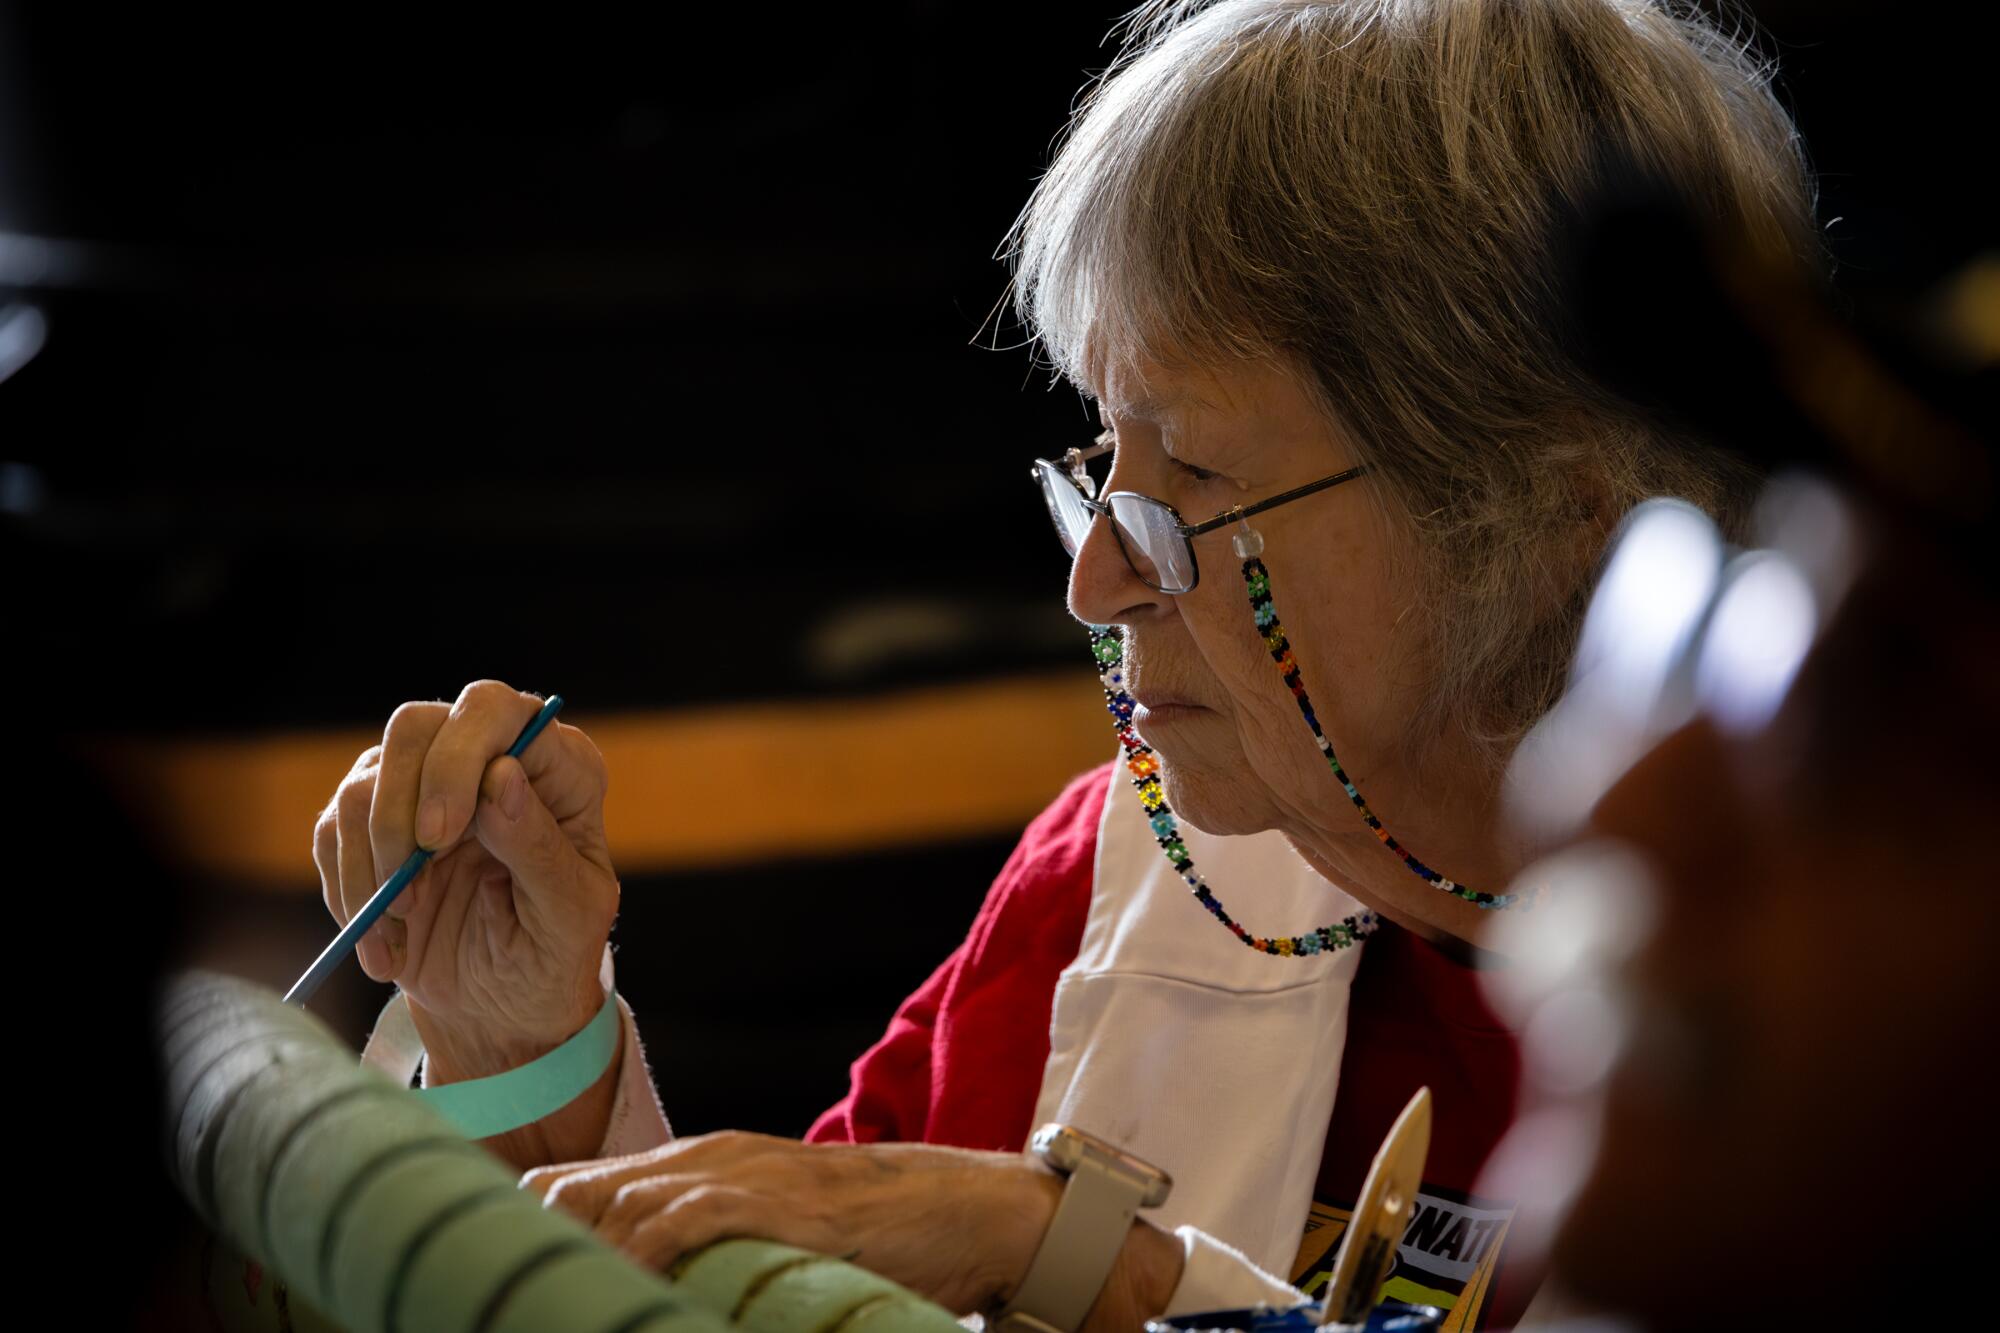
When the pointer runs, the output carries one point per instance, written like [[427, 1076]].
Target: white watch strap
[[1077, 1252]]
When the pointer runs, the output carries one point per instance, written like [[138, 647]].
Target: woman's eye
[[1194, 473]]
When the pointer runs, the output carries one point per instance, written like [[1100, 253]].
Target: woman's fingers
[[949, 1223], [440, 767], [636, 1201], [569, 772], [558, 896], [483, 723], [326, 857], [356, 860], [657, 1218], [582, 1191], [392, 816], [326, 833], [702, 1215], [585, 1189]]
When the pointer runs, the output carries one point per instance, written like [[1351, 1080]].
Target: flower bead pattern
[[1144, 768], [1257, 581]]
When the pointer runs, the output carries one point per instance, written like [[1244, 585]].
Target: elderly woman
[[1300, 256]]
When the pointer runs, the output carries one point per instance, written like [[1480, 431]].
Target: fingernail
[[514, 797], [430, 822]]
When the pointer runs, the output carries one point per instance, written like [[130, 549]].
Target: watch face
[[1065, 1149]]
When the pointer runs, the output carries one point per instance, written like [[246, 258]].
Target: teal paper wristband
[[482, 1107]]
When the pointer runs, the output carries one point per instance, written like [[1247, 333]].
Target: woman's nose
[[1103, 589]]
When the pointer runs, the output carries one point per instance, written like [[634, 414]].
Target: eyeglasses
[[1157, 544]]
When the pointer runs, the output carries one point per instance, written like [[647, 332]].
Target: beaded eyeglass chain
[[1144, 768], [1258, 580]]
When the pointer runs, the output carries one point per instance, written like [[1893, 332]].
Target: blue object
[[350, 935], [1388, 1317], [482, 1107]]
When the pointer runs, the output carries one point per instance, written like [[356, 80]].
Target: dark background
[[628, 354], [633, 352]]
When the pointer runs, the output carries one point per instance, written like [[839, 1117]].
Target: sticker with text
[[1447, 1257]]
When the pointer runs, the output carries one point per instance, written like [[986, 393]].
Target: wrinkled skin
[[1236, 758], [956, 1225]]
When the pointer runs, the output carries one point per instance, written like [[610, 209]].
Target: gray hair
[[1363, 191]]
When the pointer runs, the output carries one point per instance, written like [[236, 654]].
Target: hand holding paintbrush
[[509, 893]]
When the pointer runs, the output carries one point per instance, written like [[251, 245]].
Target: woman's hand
[[497, 941], [957, 1226]]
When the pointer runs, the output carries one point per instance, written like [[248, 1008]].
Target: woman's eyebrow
[[1149, 409]]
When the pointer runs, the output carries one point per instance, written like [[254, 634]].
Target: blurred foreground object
[[1764, 998], [1758, 1004], [375, 1211]]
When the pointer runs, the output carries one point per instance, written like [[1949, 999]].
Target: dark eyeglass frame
[[1070, 471]]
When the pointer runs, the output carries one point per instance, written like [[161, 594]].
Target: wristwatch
[[1106, 1186]]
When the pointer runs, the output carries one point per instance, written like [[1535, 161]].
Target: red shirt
[[962, 1064]]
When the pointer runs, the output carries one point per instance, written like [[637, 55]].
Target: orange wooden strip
[[699, 787]]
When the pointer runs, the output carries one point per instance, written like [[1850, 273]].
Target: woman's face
[[1237, 756]]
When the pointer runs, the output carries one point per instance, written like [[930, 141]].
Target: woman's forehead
[[1164, 395], [1156, 393], [1140, 392]]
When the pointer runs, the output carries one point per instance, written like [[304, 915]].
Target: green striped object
[[378, 1216]]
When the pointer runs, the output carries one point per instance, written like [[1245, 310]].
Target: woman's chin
[[1211, 798]]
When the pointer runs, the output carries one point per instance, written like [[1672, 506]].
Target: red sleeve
[[962, 1060]]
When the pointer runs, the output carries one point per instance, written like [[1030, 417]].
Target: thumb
[[514, 825]]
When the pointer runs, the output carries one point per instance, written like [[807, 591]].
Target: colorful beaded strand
[[1258, 580], [1145, 771]]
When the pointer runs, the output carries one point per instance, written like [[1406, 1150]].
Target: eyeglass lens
[[1072, 516], [1145, 529]]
